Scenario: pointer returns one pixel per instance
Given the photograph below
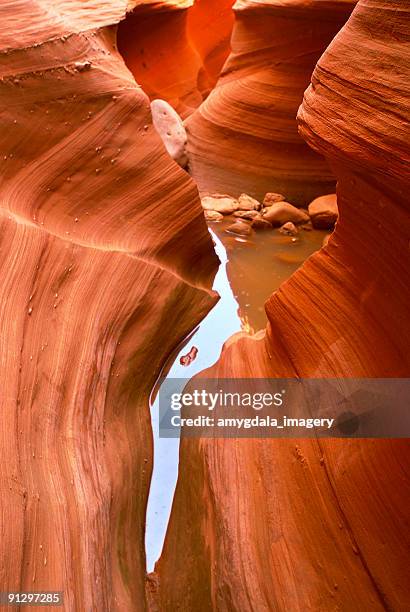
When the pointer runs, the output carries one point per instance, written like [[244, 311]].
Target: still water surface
[[251, 269]]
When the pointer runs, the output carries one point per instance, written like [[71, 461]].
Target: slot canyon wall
[[318, 524], [106, 265], [175, 49], [244, 138]]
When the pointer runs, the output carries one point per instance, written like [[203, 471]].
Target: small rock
[[221, 203], [273, 198], [213, 215], [261, 224], [323, 211], [282, 212], [247, 214], [239, 227], [247, 203], [170, 128], [307, 227], [289, 229], [187, 359]]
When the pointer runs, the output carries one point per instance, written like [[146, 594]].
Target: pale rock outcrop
[[170, 128]]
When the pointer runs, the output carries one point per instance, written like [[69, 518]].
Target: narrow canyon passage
[[309, 524], [184, 239], [243, 290]]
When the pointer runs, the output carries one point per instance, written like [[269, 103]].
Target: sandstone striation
[[210, 24], [176, 48], [318, 524], [154, 43], [244, 138], [106, 266]]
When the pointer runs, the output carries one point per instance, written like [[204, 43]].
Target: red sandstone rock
[[318, 525], [154, 43], [213, 215], [244, 138], [106, 265], [242, 228], [272, 198], [170, 54], [247, 214], [289, 229], [209, 29], [323, 211], [221, 203], [261, 224], [245, 202], [326, 240], [282, 212]]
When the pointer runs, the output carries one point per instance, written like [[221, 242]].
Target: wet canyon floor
[[251, 269]]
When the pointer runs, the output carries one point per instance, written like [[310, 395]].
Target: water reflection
[[251, 269], [259, 264], [221, 322]]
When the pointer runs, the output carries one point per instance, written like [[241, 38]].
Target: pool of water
[[259, 264], [251, 269]]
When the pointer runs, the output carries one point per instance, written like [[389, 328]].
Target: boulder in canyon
[[289, 229], [240, 227], [261, 224], [247, 214], [170, 128], [282, 212], [246, 202], [224, 204], [323, 211], [272, 198], [213, 215]]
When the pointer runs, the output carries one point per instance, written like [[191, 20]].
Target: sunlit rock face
[[106, 265], [244, 137], [210, 24], [318, 525], [175, 50]]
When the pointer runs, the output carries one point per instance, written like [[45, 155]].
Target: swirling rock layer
[[106, 265], [318, 525], [210, 24], [244, 137], [175, 50]]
